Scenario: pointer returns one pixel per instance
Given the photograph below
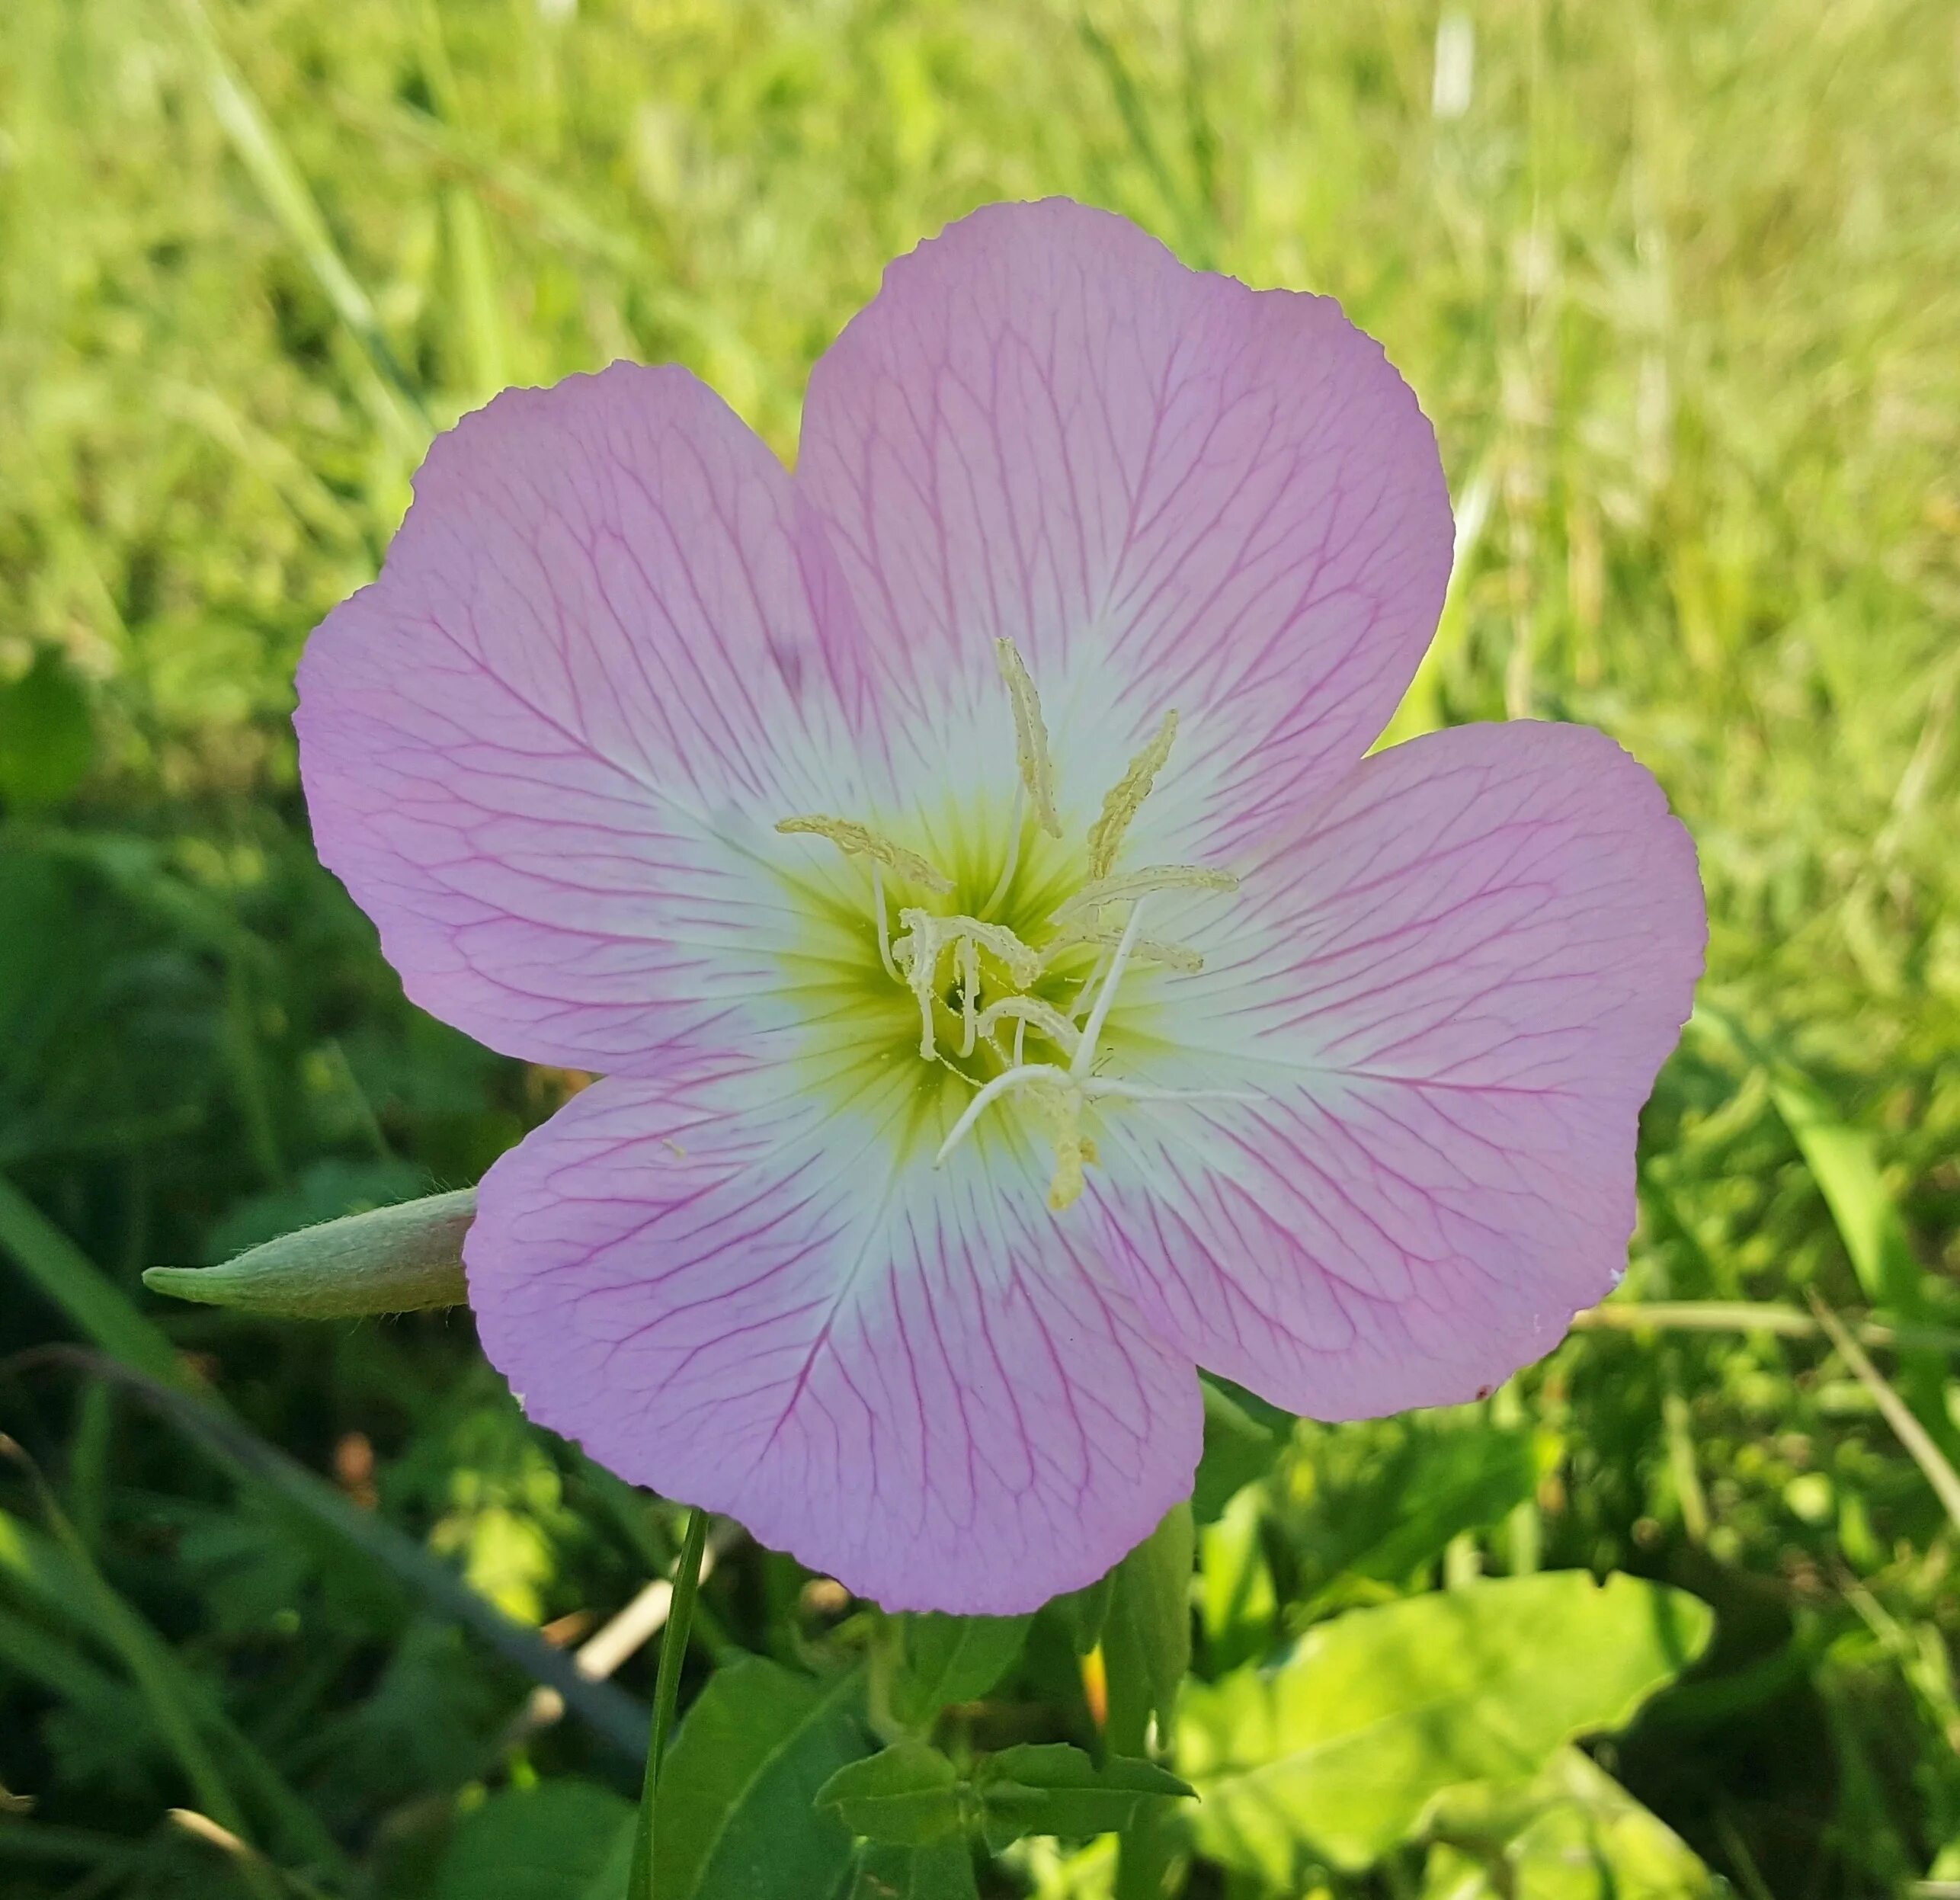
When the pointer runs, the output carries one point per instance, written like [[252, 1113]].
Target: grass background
[[1678, 281]]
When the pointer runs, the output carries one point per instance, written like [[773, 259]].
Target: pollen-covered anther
[[1037, 769], [1125, 799], [1180, 957], [1058, 1110], [1141, 883], [860, 841]]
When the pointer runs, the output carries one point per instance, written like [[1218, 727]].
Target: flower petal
[[1170, 490], [1450, 993], [608, 650], [729, 1289]]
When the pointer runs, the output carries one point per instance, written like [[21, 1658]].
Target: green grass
[[1680, 287]]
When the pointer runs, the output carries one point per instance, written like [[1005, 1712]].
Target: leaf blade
[[738, 1787], [1335, 1752]]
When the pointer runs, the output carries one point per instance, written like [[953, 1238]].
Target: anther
[[1074, 1151], [1147, 950], [1153, 877], [1125, 799], [1030, 737], [860, 841]]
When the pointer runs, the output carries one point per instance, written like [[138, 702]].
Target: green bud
[[403, 1259]]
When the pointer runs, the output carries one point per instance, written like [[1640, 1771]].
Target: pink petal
[[726, 1286], [1169, 489], [1450, 992], [609, 645]]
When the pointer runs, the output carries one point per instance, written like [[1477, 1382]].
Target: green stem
[[666, 1695], [1751, 1316]]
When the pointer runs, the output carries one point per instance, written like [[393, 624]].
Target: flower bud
[[403, 1259]]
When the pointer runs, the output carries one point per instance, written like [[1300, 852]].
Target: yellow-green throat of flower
[[1016, 1004]]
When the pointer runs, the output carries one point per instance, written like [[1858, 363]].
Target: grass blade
[[610, 1710], [97, 1306], [1938, 1470], [1845, 1162], [152, 1664], [392, 399]]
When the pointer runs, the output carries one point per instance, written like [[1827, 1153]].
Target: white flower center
[[976, 980]]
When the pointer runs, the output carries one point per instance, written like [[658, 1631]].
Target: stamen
[[917, 953], [1030, 737], [1126, 798], [1026, 1009], [1085, 1053], [860, 841], [1074, 1151], [1151, 950], [1069, 941], [1153, 877], [1022, 961], [1096, 1087], [969, 995], [918, 950], [1057, 1099], [1003, 1084], [884, 929]]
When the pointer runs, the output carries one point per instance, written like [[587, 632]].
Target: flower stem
[[666, 1694]]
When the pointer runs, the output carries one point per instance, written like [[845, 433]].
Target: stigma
[[1021, 1015]]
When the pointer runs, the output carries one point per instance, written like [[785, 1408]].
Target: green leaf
[[1334, 1755], [404, 1259], [47, 741], [1085, 1613], [1444, 1481], [1237, 1602], [952, 1659], [1572, 1834], [1052, 1788], [1239, 1448], [550, 1842], [610, 1881], [943, 1872], [736, 1817], [1147, 1641], [1845, 1163], [906, 1796], [910, 1796]]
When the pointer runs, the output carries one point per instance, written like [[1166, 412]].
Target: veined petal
[[1451, 992], [917, 1381], [1167, 490], [608, 650]]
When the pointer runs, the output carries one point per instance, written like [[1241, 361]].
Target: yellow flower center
[[1020, 1014]]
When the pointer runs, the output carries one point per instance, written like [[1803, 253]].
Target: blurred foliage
[[1680, 284]]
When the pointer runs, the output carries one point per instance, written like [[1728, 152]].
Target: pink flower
[[1014, 987]]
